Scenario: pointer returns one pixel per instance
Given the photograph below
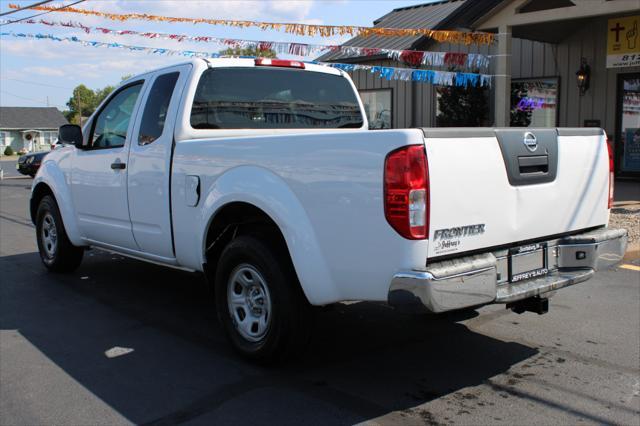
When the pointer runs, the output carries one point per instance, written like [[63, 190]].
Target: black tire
[[290, 313], [56, 251]]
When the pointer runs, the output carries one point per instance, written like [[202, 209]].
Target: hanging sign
[[623, 42]]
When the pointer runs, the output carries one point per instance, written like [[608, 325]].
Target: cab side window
[[155, 112], [111, 125]]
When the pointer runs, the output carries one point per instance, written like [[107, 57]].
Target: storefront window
[[630, 124], [534, 102], [459, 106], [377, 104]]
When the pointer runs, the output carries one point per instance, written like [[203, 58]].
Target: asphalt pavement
[[121, 341], [8, 167]]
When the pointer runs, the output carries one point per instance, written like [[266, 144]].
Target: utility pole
[[79, 110]]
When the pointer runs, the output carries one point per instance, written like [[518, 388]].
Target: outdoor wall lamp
[[583, 76]]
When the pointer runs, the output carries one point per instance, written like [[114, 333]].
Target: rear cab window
[[155, 112], [273, 98]]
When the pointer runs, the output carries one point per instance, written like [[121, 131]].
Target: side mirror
[[72, 134]]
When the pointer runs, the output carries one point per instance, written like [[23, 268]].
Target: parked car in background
[[29, 164]]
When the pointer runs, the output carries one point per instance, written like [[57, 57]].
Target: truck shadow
[[174, 365]]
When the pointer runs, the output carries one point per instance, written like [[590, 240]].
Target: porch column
[[502, 81]]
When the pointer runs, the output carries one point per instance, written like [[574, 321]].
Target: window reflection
[[534, 102]]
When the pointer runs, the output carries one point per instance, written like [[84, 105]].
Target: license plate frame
[[526, 262]]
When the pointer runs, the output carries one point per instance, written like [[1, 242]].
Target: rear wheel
[[56, 251], [259, 301]]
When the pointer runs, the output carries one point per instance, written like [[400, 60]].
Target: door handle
[[118, 166]]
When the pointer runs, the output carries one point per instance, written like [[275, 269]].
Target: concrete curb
[[633, 252]]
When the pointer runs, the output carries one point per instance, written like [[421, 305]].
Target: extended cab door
[[150, 162], [99, 175]]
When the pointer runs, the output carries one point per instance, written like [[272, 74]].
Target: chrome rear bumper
[[482, 279]]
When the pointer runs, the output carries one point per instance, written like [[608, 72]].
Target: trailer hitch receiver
[[537, 304]]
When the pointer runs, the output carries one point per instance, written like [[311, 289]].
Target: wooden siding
[[530, 59], [536, 59]]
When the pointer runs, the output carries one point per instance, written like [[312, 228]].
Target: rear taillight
[[406, 196], [266, 62], [611, 175]]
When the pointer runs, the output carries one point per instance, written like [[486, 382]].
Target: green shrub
[[8, 150]]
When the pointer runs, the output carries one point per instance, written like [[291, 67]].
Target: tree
[[85, 101], [82, 100], [462, 106], [101, 94], [248, 51]]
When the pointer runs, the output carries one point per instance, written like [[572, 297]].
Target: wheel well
[[239, 219], [38, 194]]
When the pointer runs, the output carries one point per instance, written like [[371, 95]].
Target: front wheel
[[56, 251], [260, 303]]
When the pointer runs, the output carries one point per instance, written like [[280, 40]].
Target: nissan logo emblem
[[530, 141]]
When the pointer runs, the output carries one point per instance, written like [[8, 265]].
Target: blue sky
[[29, 68]]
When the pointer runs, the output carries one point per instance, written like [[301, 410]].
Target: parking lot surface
[[8, 166], [121, 341]]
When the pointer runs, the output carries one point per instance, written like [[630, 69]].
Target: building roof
[[549, 21], [425, 16], [31, 118]]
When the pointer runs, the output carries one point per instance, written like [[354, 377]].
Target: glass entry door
[[628, 125]]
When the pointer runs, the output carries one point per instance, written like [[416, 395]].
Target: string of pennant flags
[[460, 37], [471, 61], [436, 77]]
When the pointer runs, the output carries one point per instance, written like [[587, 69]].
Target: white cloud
[[297, 10], [29, 48], [256, 10], [48, 71], [118, 63], [263, 10], [73, 62]]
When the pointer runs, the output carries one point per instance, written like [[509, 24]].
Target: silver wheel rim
[[249, 302], [49, 235]]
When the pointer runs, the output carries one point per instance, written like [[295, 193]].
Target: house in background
[[542, 47], [29, 128]]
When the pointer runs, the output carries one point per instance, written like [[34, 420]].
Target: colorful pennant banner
[[444, 78], [438, 78], [291, 28], [471, 61]]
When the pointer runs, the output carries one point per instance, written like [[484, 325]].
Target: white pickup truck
[[263, 175]]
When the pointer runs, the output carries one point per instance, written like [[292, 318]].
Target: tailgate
[[491, 188]]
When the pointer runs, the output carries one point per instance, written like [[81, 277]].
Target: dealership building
[[563, 63]]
